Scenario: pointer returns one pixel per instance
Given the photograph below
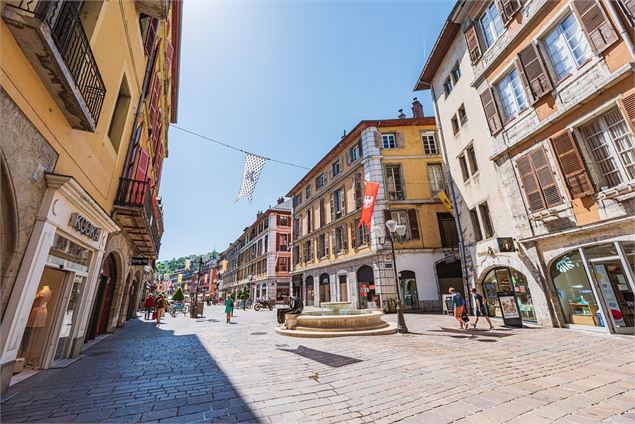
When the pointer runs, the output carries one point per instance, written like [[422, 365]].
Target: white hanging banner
[[251, 172]]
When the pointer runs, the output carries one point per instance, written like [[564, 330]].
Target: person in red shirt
[[149, 304]]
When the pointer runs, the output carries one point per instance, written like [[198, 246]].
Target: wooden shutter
[[399, 140], [628, 6], [546, 179], [627, 105], [473, 44], [327, 244], [379, 141], [571, 164], [508, 9], [169, 54], [354, 232], [491, 111], [142, 166], [529, 183], [349, 156], [343, 200], [344, 238], [413, 223], [534, 72], [595, 24], [332, 207], [277, 241]]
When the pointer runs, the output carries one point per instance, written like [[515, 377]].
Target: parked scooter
[[263, 303]]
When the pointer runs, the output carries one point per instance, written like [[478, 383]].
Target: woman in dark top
[[480, 309]]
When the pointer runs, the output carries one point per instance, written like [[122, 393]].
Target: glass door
[[525, 303], [408, 290], [70, 317], [617, 293]]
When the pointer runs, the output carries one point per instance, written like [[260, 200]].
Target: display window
[[310, 291], [282, 292], [509, 281]]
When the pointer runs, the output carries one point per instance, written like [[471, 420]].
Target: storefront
[[408, 290], [282, 292], [595, 286], [310, 291], [57, 279], [368, 296], [325, 288], [509, 281]]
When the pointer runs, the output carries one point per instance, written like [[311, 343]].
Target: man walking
[[148, 305]]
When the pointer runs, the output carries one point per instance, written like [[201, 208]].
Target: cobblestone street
[[204, 370]]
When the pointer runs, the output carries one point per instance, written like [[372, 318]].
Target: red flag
[[370, 196]]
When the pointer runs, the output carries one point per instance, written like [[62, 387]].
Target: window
[[456, 73], [296, 255], [537, 180], [487, 220], [447, 86], [429, 144], [322, 213], [462, 115], [323, 249], [308, 251], [491, 24], [471, 157], [512, 95], [455, 125], [296, 227], [120, 115], [464, 171], [336, 167], [435, 178], [612, 148], [389, 141], [297, 200], [338, 203], [394, 182], [283, 264], [355, 153], [320, 181], [359, 234], [358, 190], [447, 230], [478, 235], [340, 239], [283, 221], [284, 242], [307, 192], [402, 219], [567, 47], [309, 221], [266, 244]]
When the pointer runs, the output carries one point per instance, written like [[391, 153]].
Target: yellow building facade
[[336, 260], [75, 81]]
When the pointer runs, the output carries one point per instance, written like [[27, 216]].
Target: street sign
[[139, 261]]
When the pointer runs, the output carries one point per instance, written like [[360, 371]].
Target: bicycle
[[179, 308]]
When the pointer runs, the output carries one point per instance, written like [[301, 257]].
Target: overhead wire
[[236, 148]]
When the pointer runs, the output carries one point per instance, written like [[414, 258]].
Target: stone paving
[[204, 370]]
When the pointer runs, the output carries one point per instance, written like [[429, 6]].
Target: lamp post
[[396, 231]]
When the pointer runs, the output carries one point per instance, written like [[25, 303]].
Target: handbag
[[154, 315], [464, 316]]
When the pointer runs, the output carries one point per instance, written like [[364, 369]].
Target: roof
[[352, 136], [441, 47]]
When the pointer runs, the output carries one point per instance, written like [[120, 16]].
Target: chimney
[[417, 108], [401, 114], [280, 200]]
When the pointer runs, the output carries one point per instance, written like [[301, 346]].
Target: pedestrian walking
[[148, 305], [161, 305], [480, 308], [460, 312], [229, 308]]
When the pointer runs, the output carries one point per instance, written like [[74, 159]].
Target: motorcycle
[[263, 304]]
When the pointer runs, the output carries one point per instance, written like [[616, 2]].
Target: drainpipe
[[625, 36], [144, 88], [466, 286]]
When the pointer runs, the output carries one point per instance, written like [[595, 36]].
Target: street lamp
[[395, 231]]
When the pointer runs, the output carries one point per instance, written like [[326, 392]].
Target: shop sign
[[506, 244], [510, 310], [139, 261], [85, 227]]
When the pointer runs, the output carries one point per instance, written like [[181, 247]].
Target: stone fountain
[[336, 319]]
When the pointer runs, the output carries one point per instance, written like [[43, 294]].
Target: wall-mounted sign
[[506, 244], [85, 227], [139, 261]]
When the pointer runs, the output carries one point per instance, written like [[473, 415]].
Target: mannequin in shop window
[[37, 318]]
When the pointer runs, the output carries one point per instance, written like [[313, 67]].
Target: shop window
[[508, 280]]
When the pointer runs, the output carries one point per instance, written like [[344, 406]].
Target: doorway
[[310, 291], [368, 297], [104, 298], [325, 288], [408, 290], [507, 280], [343, 286]]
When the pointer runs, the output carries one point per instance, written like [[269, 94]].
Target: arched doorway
[[325, 288], [408, 290], [449, 275], [511, 281], [366, 285], [104, 298], [310, 291]]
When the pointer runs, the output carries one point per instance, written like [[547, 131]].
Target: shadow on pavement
[[141, 373], [330, 359]]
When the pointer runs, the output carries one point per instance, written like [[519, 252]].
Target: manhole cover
[[258, 333]]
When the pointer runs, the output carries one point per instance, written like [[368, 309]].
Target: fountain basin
[[353, 322]]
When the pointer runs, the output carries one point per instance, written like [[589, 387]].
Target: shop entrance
[[325, 288], [104, 298], [408, 289], [583, 276], [368, 297], [508, 280], [343, 286], [310, 291]]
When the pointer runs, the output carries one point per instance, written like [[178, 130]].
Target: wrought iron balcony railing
[[62, 18]]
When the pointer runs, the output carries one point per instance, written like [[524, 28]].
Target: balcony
[[138, 213], [155, 8], [52, 38]]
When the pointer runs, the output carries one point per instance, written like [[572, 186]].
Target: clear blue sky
[[282, 79]]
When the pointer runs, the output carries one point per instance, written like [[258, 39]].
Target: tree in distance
[[178, 295]]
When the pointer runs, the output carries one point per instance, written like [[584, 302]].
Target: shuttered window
[[534, 71], [575, 174], [413, 224], [389, 141], [429, 144], [403, 218], [394, 182], [491, 111], [612, 147], [447, 230], [508, 9], [512, 95], [567, 47], [487, 220], [628, 6], [538, 181], [473, 44], [491, 24], [476, 226], [595, 24]]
